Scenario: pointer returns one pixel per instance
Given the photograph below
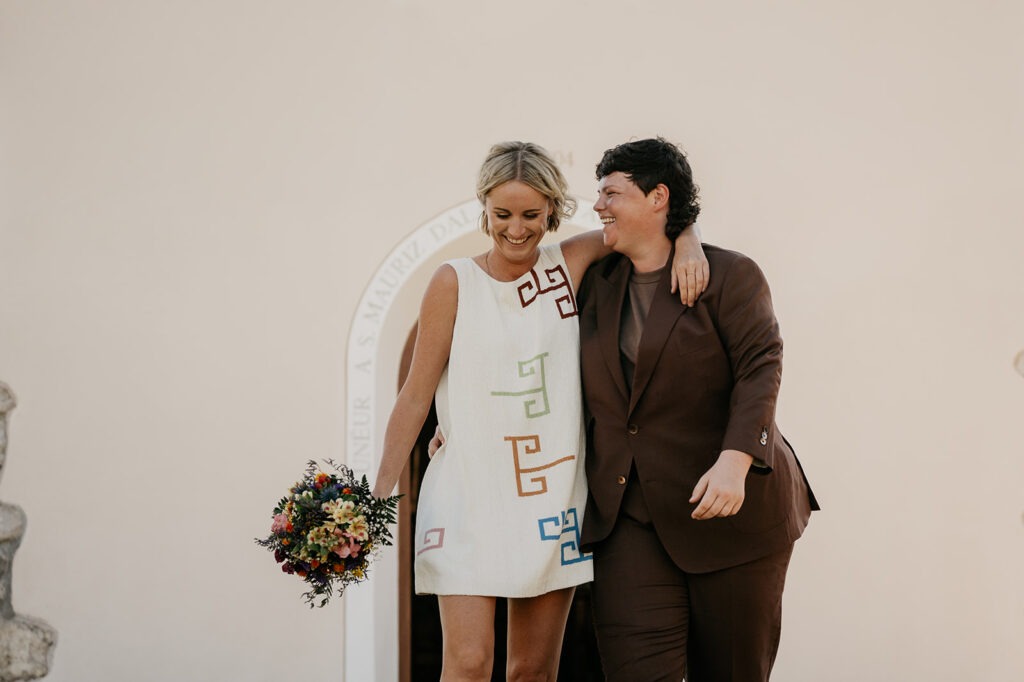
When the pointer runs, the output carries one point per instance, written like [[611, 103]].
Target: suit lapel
[[610, 293], [661, 318]]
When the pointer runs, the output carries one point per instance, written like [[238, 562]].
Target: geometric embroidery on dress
[[570, 526], [532, 447], [529, 368], [432, 539], [529, 291]]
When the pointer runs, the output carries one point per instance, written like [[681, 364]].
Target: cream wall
[[195, 194]]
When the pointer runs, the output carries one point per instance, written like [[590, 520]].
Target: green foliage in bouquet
[[328, 529]]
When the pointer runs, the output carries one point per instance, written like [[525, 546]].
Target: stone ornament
[[26, 643]]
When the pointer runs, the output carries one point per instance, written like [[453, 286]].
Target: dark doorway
[[419, 621]]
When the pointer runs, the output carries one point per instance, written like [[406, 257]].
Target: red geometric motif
[[529, 291]]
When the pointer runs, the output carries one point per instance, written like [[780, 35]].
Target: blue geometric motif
[[569, 526]]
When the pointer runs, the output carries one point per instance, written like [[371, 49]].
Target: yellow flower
[[323, 536], [358, 529], [340, 511]]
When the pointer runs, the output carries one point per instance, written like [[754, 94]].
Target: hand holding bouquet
[[327, 530]]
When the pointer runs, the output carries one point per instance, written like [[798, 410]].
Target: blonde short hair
[[532, 165]]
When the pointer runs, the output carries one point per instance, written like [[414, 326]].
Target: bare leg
[[535, 629], [467, 626]]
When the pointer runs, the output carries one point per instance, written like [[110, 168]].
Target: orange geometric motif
[[532, 447], [529, 291]]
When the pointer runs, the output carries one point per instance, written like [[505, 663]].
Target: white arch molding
[[371, 609]]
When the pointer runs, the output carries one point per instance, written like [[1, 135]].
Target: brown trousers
[[657, 622]]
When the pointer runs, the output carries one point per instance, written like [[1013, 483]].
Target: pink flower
[[347, 547], [280, 523]]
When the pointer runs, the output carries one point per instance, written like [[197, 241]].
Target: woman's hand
[[690, 270], [435, 443], [722, 489]]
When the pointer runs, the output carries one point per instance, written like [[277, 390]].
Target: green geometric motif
[[528, 368]]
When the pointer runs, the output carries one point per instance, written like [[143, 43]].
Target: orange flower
[[314, 563], [346, 491], [284, 541], [338, 568], [301, 574]]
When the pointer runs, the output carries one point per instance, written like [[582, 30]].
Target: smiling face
[[517, 217], [630, 217]]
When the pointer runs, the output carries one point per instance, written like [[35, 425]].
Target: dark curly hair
[[649, 163]]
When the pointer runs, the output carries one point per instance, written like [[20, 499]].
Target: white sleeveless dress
[[501, 504]]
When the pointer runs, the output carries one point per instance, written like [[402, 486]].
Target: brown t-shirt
[[642, 286]]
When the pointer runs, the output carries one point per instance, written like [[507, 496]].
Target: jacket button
[[633, 429], [621, 480]]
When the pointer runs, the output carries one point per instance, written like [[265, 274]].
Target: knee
[[520, 670], [468, 662]]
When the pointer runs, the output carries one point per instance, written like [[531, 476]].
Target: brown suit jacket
[[706, 380]]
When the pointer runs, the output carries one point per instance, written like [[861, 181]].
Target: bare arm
[[429, 358], [689, 266]]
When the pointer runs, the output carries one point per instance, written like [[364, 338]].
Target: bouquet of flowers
[[327, 530]]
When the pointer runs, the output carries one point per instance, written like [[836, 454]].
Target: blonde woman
[[501, 503]]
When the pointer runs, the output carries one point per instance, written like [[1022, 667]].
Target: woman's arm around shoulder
[[429, 358], [581, 251], [689, 266]]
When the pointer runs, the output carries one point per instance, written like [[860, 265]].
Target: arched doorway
[[388, 307]]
